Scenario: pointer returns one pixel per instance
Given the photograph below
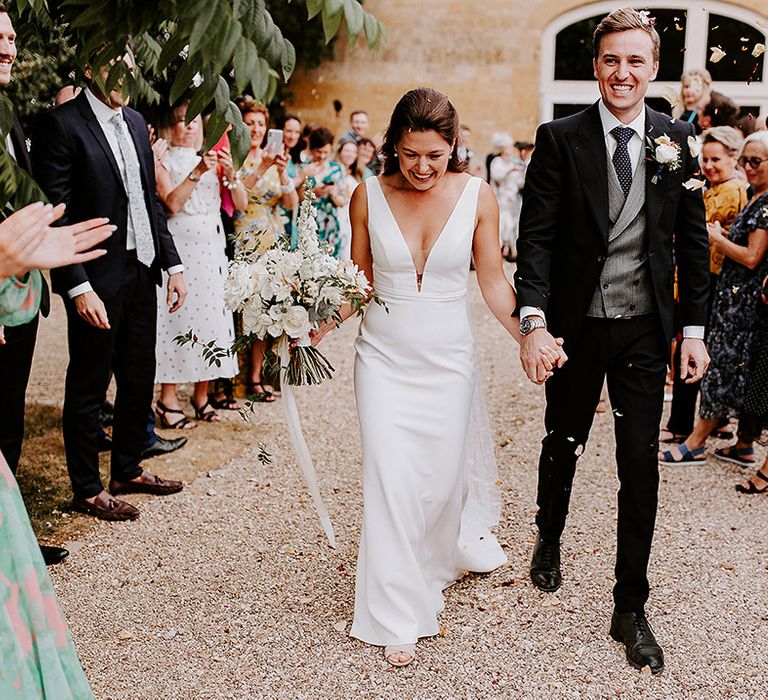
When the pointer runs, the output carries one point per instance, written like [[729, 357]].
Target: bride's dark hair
[[422, 109]]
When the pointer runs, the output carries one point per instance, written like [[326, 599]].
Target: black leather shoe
[[545, 565], [104, 442], [53, 555], [161, 446], [634, 631]]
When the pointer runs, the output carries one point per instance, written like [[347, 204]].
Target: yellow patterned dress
[[258, 227], [723, 202]]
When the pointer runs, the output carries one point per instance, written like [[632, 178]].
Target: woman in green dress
[[329, 188], [37, 657]]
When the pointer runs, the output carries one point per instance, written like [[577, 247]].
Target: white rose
[[666, 153], [296, 324]]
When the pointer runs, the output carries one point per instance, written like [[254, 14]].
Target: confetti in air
[[758, 50], [694, 184], [717, 54]]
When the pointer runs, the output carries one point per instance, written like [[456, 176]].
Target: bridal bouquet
[[285, 294]]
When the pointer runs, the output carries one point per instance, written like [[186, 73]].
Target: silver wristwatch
[[531, 323]]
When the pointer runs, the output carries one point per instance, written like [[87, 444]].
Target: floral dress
[[37, 657], [258, 227], [734, 323], [328, 227]]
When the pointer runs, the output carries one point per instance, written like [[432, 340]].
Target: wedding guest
[[507, 180], [67, 93], [347, 156], [38, 659], [93, 153], [724, 198], [291, 126], [329, 188], [358, 126], [756, 394], [368, 159], [719, 111], [695, 89], [189, 187], [258, 226], [496, 139], [733, 321], [305, 155]]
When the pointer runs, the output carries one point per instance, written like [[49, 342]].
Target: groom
[[605, 218]]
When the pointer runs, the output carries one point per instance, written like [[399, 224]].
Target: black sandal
[[752, 487], [226, 404], [209, 416], [261, 396], [183, 423]]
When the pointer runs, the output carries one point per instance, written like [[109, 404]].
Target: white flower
[[296, 324], [239, 286], [666, 154], [694, 146]]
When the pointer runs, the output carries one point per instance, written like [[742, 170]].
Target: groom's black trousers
[[632, 354]]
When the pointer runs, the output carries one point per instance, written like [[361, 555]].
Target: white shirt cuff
[[80, 289], [693, 332], [173, 269], [531, 311]]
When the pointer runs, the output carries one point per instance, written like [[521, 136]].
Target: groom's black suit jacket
[[564, 225]]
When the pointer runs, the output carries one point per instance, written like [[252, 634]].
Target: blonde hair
[[703, 76], [623, 20], [726, 136]]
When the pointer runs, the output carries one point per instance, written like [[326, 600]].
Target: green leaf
[[239, 139], [373, 31], [354, 15], [93, 14], [171, 49], [245, 62], [202, 96], [221, 95], [234, 35], [331, 22], [314, 8], [6, 116], [201, 25], [289, 60], [216, 127], [183, 80]]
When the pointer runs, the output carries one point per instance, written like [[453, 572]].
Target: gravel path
[[229, 591]]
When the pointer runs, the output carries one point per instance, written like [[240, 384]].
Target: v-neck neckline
[[420, 276]]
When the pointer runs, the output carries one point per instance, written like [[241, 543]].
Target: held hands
[[694, 360], [178, 289], [540, 353]]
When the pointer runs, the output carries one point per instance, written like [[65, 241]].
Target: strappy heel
[[207, 416], [400, 654], [257, 392], [162, 411], [752, 488]]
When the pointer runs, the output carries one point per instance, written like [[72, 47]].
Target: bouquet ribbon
[[300, 446]]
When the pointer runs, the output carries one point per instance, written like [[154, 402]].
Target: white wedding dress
[[427, 510]]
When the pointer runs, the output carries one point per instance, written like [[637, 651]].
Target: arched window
[[688, 30]]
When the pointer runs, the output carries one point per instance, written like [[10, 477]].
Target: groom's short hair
[[623, 20]]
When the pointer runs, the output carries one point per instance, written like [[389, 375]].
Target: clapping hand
[[159, 149], [715, 231], [27, 241]]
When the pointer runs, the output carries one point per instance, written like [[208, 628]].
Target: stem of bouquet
[[298, 441]]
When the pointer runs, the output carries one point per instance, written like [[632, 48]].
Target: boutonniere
[[665, 152]]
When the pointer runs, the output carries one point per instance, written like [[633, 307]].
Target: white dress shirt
[[634, 147], [104, 115]]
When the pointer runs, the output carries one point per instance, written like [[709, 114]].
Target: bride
[[414, 229]]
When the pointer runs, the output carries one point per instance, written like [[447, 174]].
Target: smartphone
[[274, 140]]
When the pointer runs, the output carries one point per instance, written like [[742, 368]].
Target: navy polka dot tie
[[621, 160]]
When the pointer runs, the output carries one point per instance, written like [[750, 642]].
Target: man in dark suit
[[605, 218], [93, 153], [18, 343]]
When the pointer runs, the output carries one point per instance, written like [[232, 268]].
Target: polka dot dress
[[199, 237], [756, 396]]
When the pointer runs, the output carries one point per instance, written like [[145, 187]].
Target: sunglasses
[[753, 162]]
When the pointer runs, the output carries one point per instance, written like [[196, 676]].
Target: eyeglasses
[[753, 162]]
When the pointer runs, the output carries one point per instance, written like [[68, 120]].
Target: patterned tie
[[621, 160], [137, 208]]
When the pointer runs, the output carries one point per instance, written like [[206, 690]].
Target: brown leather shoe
[[106, 507], [146, 483]]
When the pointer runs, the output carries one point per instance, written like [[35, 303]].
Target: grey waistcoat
[[625, 282]]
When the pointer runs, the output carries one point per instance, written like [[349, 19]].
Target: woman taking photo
[[259, 224], [731, 337], [347, 156], [189, 187], [414, 229]]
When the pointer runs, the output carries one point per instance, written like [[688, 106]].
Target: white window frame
[[554, 92]]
